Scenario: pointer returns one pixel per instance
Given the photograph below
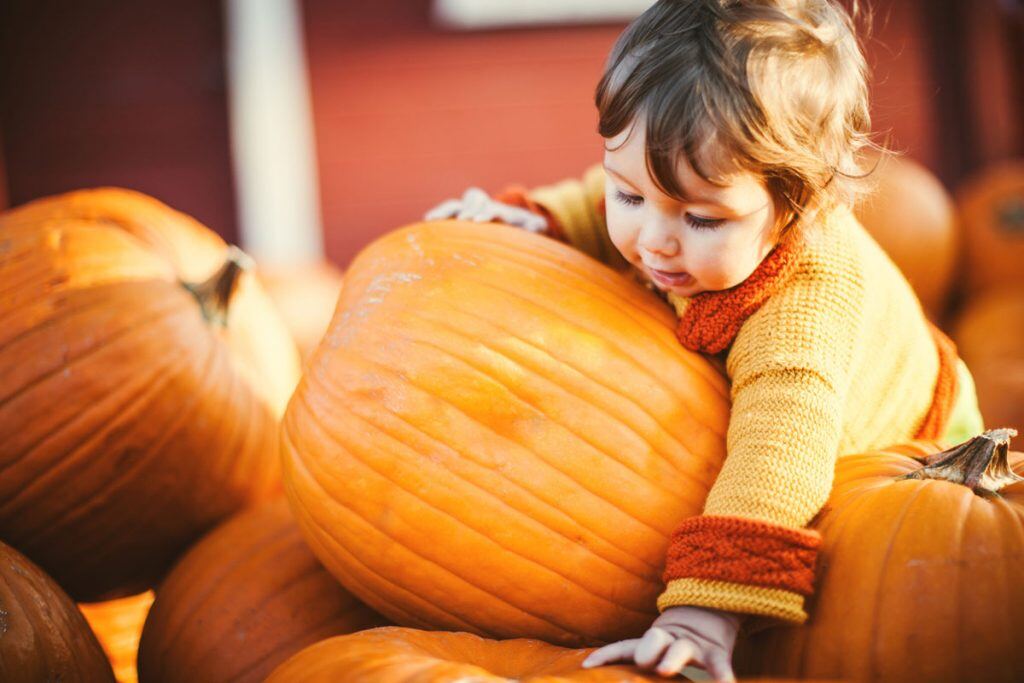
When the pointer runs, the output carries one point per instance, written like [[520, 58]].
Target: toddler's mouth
[[668, 278]]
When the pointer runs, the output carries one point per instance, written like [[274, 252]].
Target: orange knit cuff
[[745, 551], [515, 195]]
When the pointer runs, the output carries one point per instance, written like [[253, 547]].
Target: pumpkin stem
[[979, 464], [214, 294]]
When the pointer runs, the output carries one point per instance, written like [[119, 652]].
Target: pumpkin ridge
[[668, 433], [874, 657], [171, 642], [99, 345], [965, 511], [140, 388], [625, 352], [831, 535], [198, 601], [522, 487], [469, 584], [212, 649], [532, 494], [181, 419], [484, 536], [242, 431], [318, 537], [550, 464], [666, 341], [90, 304], [147, 389], [286, 644], [141, 519], [550, 418]]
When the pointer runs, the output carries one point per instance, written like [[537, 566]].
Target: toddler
[[732, 133]]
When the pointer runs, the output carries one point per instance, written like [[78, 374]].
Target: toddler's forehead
[[713, 159]]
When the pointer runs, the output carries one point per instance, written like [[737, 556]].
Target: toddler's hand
[[680, 635], [476, 205]]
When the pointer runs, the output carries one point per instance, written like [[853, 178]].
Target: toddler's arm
[[749, 551], [572, 209]]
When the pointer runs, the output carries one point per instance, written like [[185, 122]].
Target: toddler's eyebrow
[[690, 199]]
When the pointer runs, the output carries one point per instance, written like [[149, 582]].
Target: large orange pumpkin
[[919, 579], [241, 601], [403, 655], [43, 636], [498, 435], [118, 626], [991, 207], [990, 338], [142, 375], [305, 295], [913, 218]]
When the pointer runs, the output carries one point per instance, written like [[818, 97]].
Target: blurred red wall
[[134, 94], [106, 92]]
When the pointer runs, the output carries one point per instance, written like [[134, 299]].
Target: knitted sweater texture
[[828, 352]]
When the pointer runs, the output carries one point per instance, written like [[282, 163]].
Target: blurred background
[[334, 121]]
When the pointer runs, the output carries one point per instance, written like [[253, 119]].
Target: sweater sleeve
[[749, 551], [574, 209]]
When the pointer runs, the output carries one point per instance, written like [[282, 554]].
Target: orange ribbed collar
[[712, 320]]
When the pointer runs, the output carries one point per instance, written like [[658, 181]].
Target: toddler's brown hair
[[773, 87]]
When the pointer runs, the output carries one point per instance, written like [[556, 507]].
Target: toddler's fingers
[[616, 652], [652, 646], [523, 218], [445, 209], [719, 667], [485, 214], [676, 657], [473, 202]]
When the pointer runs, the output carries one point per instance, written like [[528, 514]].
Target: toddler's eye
[[628, 199], [701, 223]]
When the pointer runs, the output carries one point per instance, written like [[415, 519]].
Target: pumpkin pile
[[988, 327], [442, 497]]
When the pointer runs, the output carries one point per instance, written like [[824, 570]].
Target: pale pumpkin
[[118, 626], [991, 207], [989, 335], [403, 655], [498, 434], [142, 375], [43, 636], [919, 577], [241, 601], [305, 295], [912, 216]]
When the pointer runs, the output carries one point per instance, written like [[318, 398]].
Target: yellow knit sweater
[[839, 359]]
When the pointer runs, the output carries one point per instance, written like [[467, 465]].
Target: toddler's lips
[[666, 278]]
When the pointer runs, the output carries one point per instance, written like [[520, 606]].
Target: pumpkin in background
[[989, 335], [912, 216], [393, 655], [241, 601], [118, 625], [142, 375], [918, 579], [499, 434], [306, 296], [991, 206], [43, 636]]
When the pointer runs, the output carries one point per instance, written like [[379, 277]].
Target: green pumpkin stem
[[980, 464], [214, 294]]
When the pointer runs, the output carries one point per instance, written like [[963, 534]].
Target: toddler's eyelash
[[699, 223], [696, 222], [628, 199]]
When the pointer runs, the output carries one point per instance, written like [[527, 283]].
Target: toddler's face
[[713, 241]]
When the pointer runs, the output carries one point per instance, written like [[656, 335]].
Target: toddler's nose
[[659, 242]]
